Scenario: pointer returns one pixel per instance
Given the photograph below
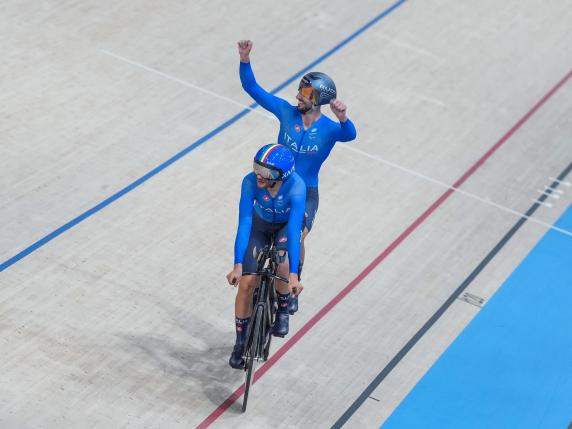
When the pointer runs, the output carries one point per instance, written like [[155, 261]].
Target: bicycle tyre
[[270, 324], [249, 364], [272, 313], [267, 347]]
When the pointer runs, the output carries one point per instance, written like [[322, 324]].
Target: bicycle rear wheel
[[252, 353]]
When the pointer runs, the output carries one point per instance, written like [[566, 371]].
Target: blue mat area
[[512, 366]]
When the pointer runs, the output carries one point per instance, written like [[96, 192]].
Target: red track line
[[373, 264]]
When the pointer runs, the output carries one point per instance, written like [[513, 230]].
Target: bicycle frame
[[259, 332]]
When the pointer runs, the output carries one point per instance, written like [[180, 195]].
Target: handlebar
[[265, 273]]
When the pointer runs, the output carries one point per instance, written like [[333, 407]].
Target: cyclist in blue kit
[[309, 134], [272, 201]]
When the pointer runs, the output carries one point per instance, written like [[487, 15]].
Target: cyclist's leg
[[243, 300], [312, 202], [259, 237], [305, 232], [246, 286], [283, 266], [282, 288]]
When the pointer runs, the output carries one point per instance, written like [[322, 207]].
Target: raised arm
[[347, 130], [265, 99]]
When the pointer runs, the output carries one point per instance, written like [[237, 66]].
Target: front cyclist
[[271, 202], [309, 134]]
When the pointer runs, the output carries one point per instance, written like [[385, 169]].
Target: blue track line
[[8, 263]]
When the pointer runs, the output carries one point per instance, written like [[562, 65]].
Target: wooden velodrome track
[[124, 140]]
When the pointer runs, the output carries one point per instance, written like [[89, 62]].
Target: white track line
[[549, 194], [351, 148], [410, 47], [430, 100], [445, 185], [185, 83], [556, 191], [563, 182], [545, 204]]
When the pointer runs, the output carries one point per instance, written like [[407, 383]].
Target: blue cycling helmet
[[324, 88], [274, 162]]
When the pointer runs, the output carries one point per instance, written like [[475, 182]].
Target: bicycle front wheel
[[252, 353]]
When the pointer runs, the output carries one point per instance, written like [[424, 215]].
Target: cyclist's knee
[[247, 284], [283, 269]]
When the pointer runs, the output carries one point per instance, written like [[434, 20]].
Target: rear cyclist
[[309, 134], [271, 202]]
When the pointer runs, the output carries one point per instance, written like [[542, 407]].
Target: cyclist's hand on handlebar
[[234, 276], [295, 286]]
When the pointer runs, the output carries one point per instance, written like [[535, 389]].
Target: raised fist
[[244, 47], [339, 109]]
